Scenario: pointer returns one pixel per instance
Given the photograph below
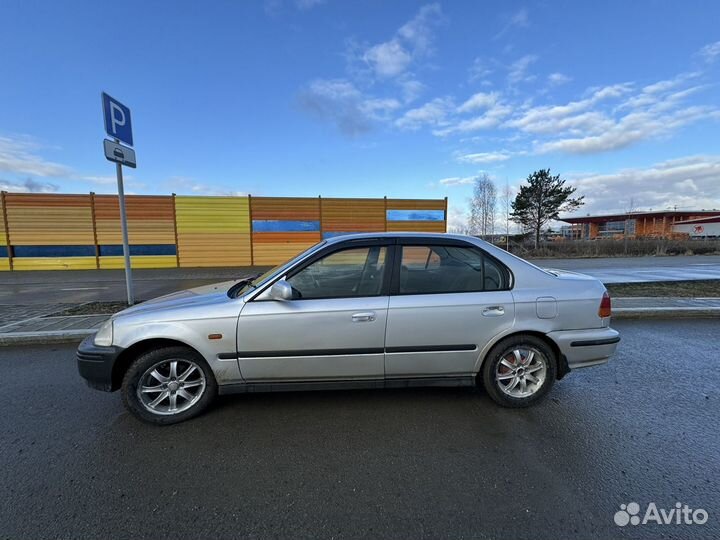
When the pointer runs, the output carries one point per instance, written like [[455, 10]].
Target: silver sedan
[[358, 311]]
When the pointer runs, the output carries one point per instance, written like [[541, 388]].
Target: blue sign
[[117, 119]]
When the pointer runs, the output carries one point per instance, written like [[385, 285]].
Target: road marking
[[84, 289]]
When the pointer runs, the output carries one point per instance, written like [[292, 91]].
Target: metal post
[[123, 225]]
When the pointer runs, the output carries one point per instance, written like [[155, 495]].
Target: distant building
[[653, 224], [706, 227]]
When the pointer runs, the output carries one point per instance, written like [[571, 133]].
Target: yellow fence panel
[[54, 263], [416, 204], [151, 219], [353, 215], [3, 238], [213, 231], [139, 261], [285, 208]]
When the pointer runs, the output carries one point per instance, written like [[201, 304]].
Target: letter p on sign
[[117, 120]]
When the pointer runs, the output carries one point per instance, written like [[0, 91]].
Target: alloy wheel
[[171, 386], [521, 372]]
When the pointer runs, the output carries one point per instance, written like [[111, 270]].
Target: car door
[[332, 329], [448, 299]]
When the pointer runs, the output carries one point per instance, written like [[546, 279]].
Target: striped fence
[[76, 232]]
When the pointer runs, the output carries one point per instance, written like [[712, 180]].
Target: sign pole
[[118, 125], [123, 225]]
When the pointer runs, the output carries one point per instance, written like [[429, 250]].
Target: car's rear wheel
[[519, 371], [168, 385]]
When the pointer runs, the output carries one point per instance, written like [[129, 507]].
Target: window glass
[[446, 269], [345, 273], [420, 257]]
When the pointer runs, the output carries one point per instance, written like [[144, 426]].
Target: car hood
[[205, 295]]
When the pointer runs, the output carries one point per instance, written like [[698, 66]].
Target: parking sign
[[117, 119]]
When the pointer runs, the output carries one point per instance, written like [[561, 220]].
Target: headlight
[[104, 336]]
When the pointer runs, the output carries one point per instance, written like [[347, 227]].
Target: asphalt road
[[421, 463], [639, 269], [71, 287]]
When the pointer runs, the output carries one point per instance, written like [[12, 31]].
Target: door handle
[[365, 316], [493, 311]]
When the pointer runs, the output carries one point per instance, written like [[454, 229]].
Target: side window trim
[[397, 264]]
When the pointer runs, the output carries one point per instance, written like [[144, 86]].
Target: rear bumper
[[585, 348], [95, 364]]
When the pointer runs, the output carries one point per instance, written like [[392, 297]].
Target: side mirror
[[281, 290]]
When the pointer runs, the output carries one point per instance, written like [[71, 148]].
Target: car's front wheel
[[168, 385], [519, 371]]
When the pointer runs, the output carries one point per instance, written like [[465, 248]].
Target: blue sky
[[334, 98]]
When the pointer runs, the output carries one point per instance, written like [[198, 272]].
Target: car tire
[[175, 399], [513, 382]]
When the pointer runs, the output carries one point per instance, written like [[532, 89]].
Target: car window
[[448, 269], [346, 273], [418, 257]]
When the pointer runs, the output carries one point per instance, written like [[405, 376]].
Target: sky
[[367, 99]]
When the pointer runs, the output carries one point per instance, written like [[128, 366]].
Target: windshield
[[262, 278]]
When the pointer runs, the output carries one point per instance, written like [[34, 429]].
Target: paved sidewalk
[[33, 324], [667, 303]]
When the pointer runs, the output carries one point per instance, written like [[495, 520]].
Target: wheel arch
[[562, 365], [126, 358]]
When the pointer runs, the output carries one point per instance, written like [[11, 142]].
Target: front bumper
[[585, 348], [95, 364]]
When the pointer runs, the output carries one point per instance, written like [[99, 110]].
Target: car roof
[[360, 236]]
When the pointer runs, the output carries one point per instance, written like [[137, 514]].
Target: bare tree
[[483, 206], [505, 201], [628, 210]]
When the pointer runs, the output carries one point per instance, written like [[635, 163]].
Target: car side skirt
[[296, 386]]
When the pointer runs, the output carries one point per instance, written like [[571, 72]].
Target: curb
[[41, 338], [666, 313], [75, 336]]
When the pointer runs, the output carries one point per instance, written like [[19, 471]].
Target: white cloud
[[393, 57], [457, 219], [556, 79], [518, 19], [489, 119], [431, 113], [411, 89], [18, 155], [710, 52], [484, 157], [517, 71], [457, 181], [28, 186], [479, 70], [628, 130], [480, 100], [339, 101], [418, 31], [185, 185], [388, 59], [688, 183]]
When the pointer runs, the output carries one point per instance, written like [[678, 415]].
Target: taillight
[[605, 306]]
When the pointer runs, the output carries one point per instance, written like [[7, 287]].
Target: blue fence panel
[[139, 249], [274, 225], [415, 215], [54, 251]]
